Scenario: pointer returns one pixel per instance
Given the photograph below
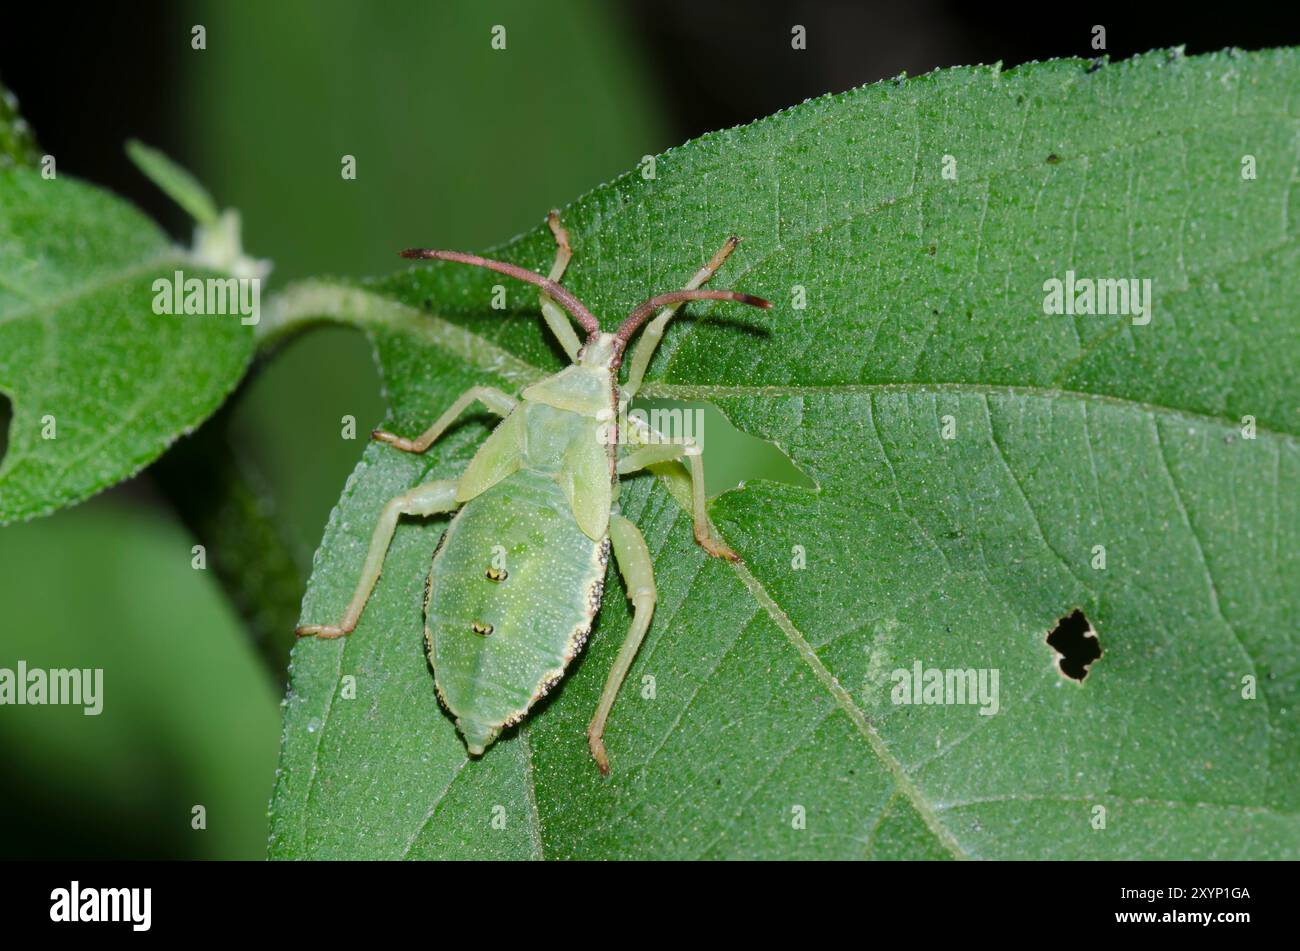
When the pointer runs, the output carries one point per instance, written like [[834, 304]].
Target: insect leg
[[428, 499], [703, 532], [658, 448], [495, 400], [555, 316], [644, 456], [639, 575], [654, 331]]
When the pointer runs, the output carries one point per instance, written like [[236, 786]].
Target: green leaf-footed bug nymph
[[518, 576]]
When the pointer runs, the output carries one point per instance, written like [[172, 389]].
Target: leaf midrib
[[301, 303], [685, 391]]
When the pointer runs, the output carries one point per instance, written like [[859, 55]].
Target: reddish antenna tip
[[411, 253], [756, 301]]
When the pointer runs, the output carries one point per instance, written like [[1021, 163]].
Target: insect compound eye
[[496, 574], [481, 629]]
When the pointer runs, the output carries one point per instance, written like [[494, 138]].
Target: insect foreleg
[[639, 576], [654, 331], [555, 316], [495, 400], [429, 499]]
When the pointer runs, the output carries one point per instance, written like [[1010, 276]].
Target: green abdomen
[[514, 587]]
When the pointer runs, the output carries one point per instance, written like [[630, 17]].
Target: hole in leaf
[[6, 417], [732, 456], [1076, 645]]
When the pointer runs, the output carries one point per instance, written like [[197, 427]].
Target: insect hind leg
[[639, 575], [431, 498]]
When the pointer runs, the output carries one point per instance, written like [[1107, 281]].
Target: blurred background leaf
[[110, 585], [100, 384], [17, 144]]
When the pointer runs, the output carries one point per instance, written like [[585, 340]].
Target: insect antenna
[[556, 291], [643, 312]]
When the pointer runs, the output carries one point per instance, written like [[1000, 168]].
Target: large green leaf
[[100, 384], [924, 301]]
